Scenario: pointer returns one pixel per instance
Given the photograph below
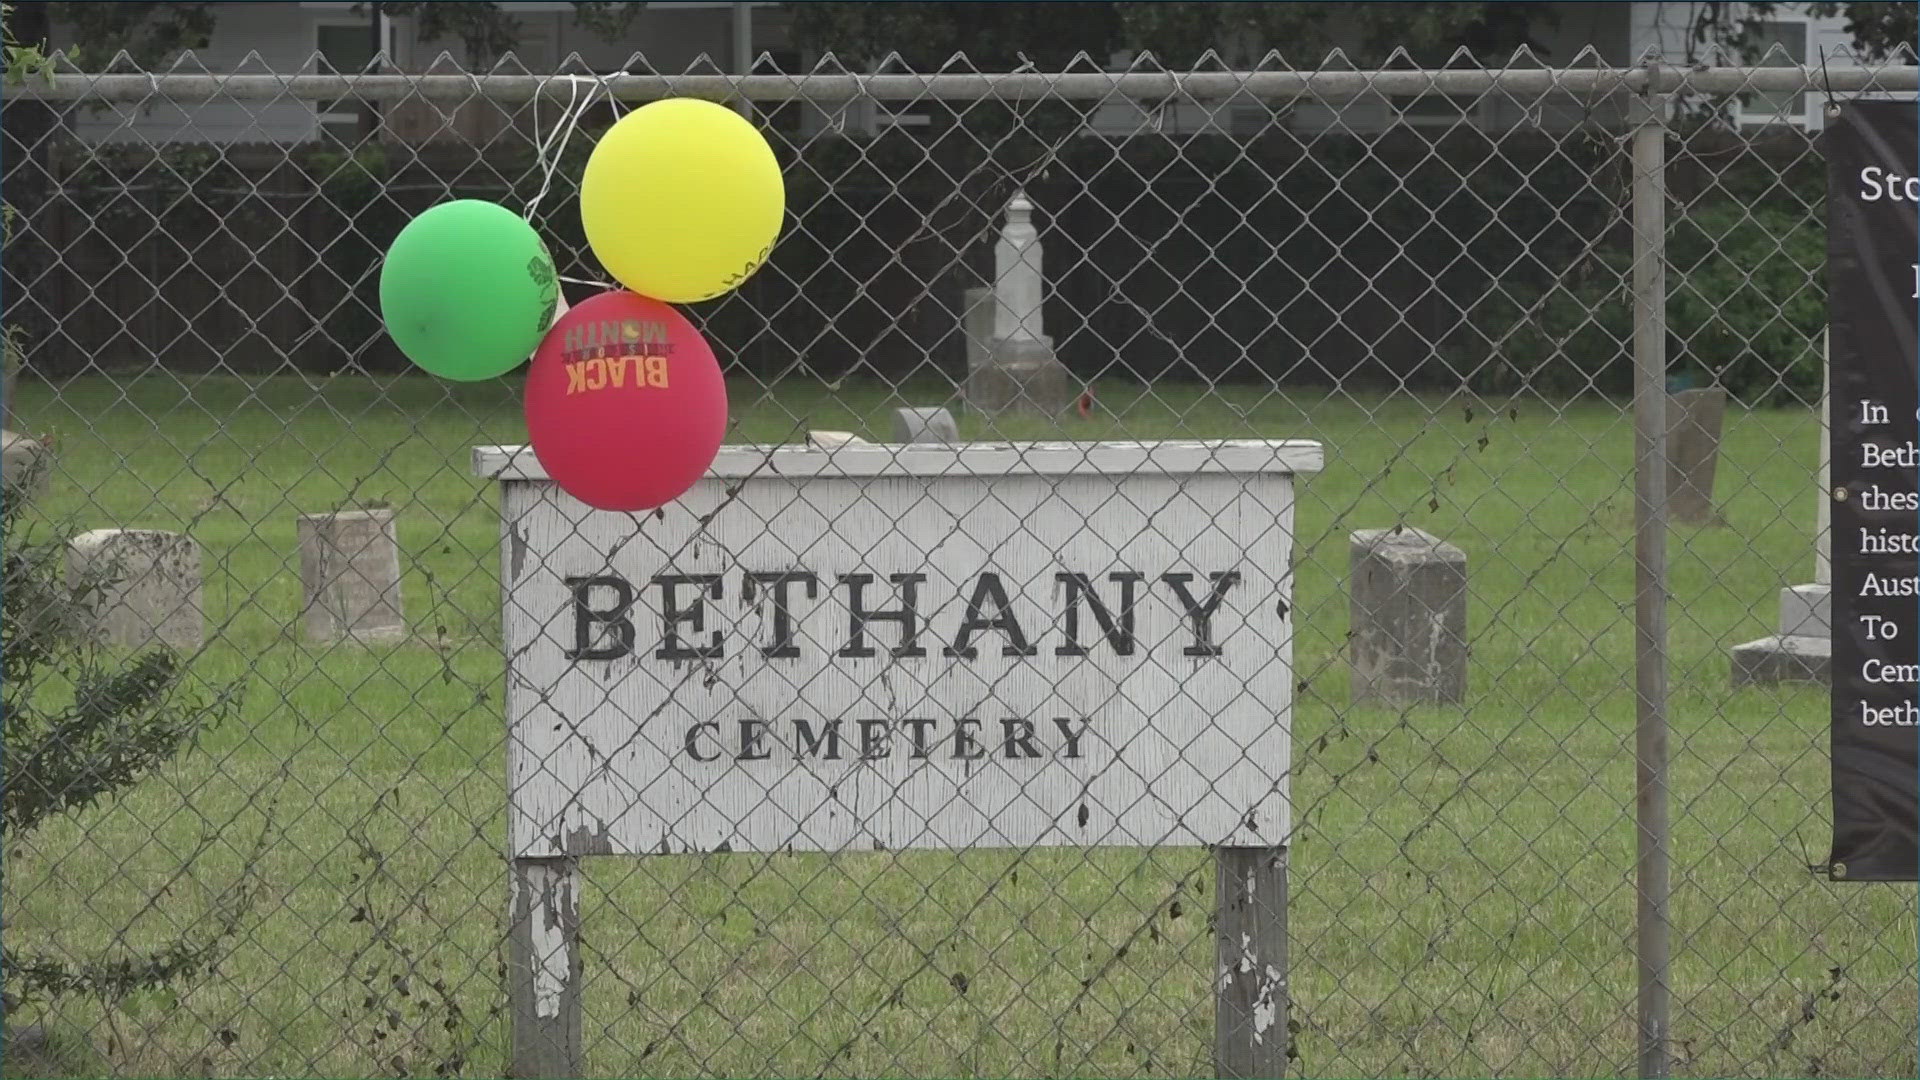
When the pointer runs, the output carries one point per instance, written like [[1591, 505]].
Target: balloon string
[[543, 143], [548, 154]]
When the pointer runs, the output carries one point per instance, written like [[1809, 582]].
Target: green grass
[[1462, 886]]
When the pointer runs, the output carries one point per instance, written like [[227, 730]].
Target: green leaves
[[80, 724], [1880, 28], [20, 61], [149, 33]]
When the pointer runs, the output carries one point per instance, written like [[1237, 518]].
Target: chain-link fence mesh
[[1433, 283]]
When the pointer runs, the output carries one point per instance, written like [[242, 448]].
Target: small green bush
[[1746, 306]]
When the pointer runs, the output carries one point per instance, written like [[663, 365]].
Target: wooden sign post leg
[[543, 975], [1250, 1035]]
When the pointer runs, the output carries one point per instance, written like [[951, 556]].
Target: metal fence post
[[1650, 579]]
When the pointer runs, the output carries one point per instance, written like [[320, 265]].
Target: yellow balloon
[[682, 200]]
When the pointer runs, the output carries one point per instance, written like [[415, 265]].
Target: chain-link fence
[[1431, 275]]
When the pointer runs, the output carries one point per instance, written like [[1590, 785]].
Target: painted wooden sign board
[[894, 647]]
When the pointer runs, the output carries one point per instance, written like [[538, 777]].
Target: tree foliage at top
[[1881, 29], [151, 34], [1002, 36], [1048, 35], [487, 32]]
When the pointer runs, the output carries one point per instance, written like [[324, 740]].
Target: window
[[346, 48], [1780, 43], [1439, 110], [895, 113]]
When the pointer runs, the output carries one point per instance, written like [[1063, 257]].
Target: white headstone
[[147, 586], [924, 425], [25, 464], [350, 576], [1803, 649], [1019, 372], [831, 440], [1018, 284]]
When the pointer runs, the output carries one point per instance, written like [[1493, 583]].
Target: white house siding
[[280, 38], [282, 34], [1583, 23], [667, 38]]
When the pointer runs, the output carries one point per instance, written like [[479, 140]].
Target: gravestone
[[831, 440], [25, 464], [1408, 602], [1693, 451], [350, 576], [147, 586], [1019, 372], [934, 425], [1802, 648]]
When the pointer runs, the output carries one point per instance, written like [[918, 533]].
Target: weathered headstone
[[917, 425], [1019, 372], [1802, 650], [146, 586], [828, 440], [1408, 602], [1693, 451], [350, 576], [25, 464]]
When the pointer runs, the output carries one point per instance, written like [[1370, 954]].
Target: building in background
[[673, 36]]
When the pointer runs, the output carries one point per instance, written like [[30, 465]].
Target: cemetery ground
[[1462, 879]]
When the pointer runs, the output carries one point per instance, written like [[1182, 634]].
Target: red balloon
[[625, 404]]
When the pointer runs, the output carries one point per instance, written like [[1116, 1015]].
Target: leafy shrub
[[1746, 307], [82, 726]]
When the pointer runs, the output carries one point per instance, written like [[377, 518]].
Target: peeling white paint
[[1263, 1014], [1266, 1007], [547, 897]]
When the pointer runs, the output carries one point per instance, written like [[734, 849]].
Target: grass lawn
[[1462, 884]]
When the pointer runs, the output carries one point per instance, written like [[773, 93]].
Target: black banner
[[1873, 292]]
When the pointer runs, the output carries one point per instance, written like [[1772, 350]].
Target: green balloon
[[468, 290]]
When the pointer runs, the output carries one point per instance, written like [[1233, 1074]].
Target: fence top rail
[[1017, 86], [1181, 457]]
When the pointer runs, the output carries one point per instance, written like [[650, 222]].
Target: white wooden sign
[[888, 647]]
